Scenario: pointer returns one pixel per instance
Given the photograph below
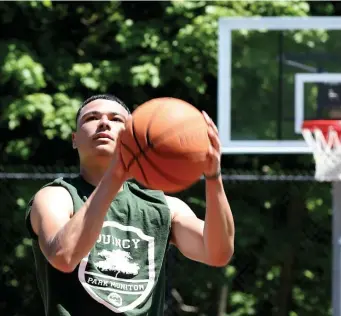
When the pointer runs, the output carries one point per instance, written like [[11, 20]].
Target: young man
[[100, 241]]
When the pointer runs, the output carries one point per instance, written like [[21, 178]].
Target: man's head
[[108, 97], [98, 123]]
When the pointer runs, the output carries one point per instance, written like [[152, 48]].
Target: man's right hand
[[117, 167]]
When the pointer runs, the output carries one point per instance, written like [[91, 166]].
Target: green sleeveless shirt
[[124, 273]]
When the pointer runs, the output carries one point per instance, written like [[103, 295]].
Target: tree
[[111, 47], [118, 261]]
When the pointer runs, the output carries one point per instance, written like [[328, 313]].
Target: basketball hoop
[[324, 139]]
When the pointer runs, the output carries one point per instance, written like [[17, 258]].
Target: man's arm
[[219, 224], [210, 241], [65, 238]]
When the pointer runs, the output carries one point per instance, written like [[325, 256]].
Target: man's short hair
[[109, 97]]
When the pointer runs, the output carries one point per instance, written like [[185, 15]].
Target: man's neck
[[93, 173], [93, 170]]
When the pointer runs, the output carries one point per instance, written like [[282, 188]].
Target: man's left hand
[[212, 168]]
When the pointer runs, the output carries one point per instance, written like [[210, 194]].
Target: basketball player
[[100, 241]]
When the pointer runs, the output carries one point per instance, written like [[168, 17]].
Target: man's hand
[[117, 167], [212, 168]]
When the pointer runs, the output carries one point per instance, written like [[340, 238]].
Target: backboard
[[273, 73]]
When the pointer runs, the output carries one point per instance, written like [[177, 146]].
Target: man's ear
[[74, 141]]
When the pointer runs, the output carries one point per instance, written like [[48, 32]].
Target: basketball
[[165, 145]]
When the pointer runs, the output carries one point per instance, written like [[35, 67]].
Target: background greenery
[[53, 55]]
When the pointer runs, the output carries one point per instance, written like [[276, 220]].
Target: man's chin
[[104, 150]]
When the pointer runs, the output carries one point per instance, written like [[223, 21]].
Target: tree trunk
[[295, 214], [223, 300]]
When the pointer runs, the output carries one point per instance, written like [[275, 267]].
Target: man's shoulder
[[144, 192], [49, 192], [49, 199], [56, 187]]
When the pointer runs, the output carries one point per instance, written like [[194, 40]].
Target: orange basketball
[[165, 144]]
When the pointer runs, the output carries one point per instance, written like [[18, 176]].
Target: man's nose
[[104, 123]]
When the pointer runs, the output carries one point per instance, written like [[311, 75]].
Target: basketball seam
[[135, 158], [131, 152], [163, 174], [149, 143], [136, 140], [135, 137], [137, 161]]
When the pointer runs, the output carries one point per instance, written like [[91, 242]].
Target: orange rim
[[324, 125]]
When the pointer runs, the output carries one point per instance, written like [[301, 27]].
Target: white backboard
[[225, 79]]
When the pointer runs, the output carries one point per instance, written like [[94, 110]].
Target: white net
[[327, 153]]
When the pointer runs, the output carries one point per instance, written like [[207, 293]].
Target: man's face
[[98, 127]]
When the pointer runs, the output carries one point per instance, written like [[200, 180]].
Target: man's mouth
[[103, 135]]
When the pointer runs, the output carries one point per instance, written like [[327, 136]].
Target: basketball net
[[323, 138]]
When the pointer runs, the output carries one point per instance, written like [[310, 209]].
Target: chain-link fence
[[281, 266]]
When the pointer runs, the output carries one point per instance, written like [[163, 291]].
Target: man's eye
[[90, 118], [117, 119]]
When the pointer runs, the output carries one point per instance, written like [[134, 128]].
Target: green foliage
[[20, 67], [110, 47]]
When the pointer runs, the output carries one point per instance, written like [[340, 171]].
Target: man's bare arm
[[210, 241], [187, 230], [219, 229], [65, 238]]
